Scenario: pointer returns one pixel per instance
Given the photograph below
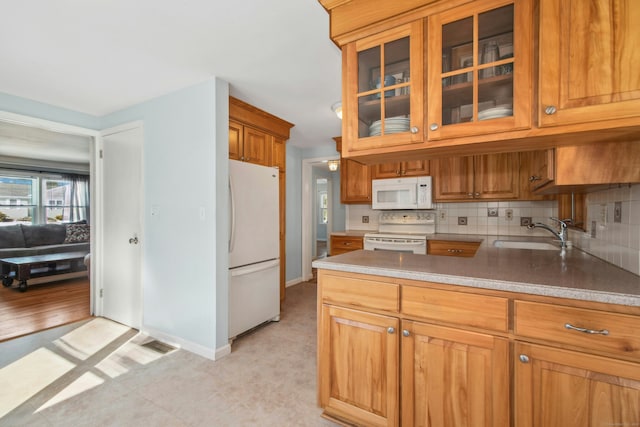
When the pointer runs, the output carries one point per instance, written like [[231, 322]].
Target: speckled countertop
[[575, 275]]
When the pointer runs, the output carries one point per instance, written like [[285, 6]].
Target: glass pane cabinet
[[477, 85], [383, 91]]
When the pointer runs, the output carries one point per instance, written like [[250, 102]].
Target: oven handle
[[386, 242]]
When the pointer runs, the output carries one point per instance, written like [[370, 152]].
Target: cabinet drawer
[[556, 323], [343, 244], [456, 307], [452, 248], [340, 290]]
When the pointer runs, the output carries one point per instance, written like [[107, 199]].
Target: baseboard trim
[[294, 282], [200, 350]]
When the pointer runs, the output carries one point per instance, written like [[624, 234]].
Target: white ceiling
[[100, 56]]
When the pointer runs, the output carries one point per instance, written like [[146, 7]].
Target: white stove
[[402, 231]]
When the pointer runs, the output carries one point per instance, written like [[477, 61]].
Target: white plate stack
[[391, 125], [504, 110]]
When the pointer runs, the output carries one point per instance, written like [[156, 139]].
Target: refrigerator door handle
[[232, 216], [254, 268]]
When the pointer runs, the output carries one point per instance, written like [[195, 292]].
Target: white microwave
[[402, 193]]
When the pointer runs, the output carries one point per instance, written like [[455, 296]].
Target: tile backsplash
[[616, 240], [612, 226]]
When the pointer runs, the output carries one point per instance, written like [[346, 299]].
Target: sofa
[[20, 240]]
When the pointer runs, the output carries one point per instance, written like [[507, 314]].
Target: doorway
[[97, 206], [43, 150], [312, 170]]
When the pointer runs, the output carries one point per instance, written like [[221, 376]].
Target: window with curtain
[[39, 198]]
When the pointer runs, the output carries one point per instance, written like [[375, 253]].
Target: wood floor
[[42, 307]]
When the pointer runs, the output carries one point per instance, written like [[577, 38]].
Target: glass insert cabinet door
[[473, 85], [384, 88]]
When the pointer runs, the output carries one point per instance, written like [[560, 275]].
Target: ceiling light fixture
[[333, 165], [337, 108]]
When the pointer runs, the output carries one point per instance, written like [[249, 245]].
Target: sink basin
[[519, 244]]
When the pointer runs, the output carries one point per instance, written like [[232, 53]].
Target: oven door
[[416, 246]]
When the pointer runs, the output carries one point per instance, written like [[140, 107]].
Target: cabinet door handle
[[476, 195], [391, 330], [433, 126], [585, 330], [414, 129], [524, 358], [469, 194], [405, 333], [549, 110], [533, 178]]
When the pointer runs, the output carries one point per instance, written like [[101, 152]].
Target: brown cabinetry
[[341, 244], [472, 356], [589, 167], [401, 169], [600, 387], [476, 83], [450, 376], [258, 137], [355, 179], [249, 145], [490, 176], [383, 91], [588, 62], [461, 75], [453, 377], [452, 248]]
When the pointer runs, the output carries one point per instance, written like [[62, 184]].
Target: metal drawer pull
[[455, 251], [585, 330]]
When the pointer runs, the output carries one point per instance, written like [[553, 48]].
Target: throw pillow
[[77, 233]]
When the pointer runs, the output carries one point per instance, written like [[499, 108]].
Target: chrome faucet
[[560, 234]]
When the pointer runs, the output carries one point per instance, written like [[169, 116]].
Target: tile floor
[[66, 377]]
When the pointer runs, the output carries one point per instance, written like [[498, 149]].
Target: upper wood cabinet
[[355, 179], [401, 169], [480, 70], [589, 61], [383, 91], [490, 176], [471, 65], [355, 182], [249, 145], [589, 167]]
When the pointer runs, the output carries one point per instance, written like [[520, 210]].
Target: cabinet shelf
[[460, 93], [398, 105]]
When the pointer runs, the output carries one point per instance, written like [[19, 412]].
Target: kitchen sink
[[523, 244]]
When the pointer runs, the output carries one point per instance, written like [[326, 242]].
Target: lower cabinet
[[398, 352], [452, 377], [358, 366], [341, 244], [555, 387]]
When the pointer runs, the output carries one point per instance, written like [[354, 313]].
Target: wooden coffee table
[[28, 267]]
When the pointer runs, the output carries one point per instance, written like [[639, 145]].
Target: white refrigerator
[[254, 248]]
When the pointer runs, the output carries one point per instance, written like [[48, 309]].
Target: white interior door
[[122, 225]]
